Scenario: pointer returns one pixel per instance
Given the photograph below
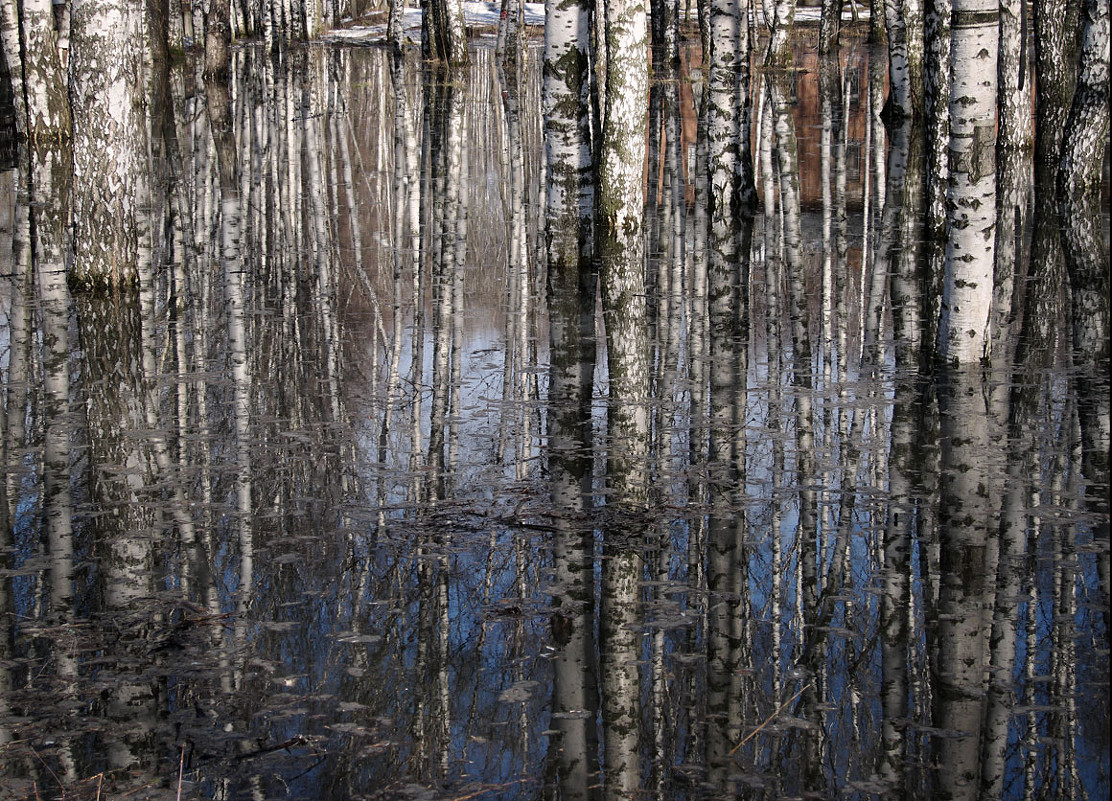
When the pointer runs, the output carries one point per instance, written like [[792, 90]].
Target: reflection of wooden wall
[[854, 58]]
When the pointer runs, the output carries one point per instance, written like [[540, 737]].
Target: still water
[[330, 507]]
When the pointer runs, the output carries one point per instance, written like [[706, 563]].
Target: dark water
[[316, 516]]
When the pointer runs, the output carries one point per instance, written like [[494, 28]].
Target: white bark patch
[[107, 81], [970, 247]]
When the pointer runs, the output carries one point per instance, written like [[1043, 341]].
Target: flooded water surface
[[345, 495]]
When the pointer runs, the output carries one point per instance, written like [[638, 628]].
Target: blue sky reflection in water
[[402, 596]]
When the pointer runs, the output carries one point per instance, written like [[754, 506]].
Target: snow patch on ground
[[476, 13], [486, 14]]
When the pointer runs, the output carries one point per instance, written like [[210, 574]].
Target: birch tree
[[622, 273], [830, 24], [732, 190], [572, 286], [1086, 256], [621, 206], [904, 22], [107, 78], [443, 37], [218, 37], [936, 77], [1056, 40], [1015, 76], [783, 23], [570, 190], [970, 248], [38, 72]]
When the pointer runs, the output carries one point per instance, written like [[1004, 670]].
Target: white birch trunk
[[1015, 77], [43, 75], [779, 45], [571, 304], [107, 76], [443, 35], [50, 193], [964, 335], [12, 43], [904, 22], [622, 239], [623, 293], [1086, 256]]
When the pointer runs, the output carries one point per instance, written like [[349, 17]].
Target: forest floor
[[482, 20]]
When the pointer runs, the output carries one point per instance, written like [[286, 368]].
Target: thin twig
[[181, 766], [770, 718]]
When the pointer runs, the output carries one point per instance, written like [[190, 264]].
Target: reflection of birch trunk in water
[[807, 531], [7, 628], [574, 751], [20, 286], [904, 482], [1086, 257], [968, 580], [963, 335], [433, 715], [1022, 465], [50, 187], [727, 573], [896, 593], [109, 154], [621, 206], [235, 299], [50, 192], [445, 157], [118, 406]]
